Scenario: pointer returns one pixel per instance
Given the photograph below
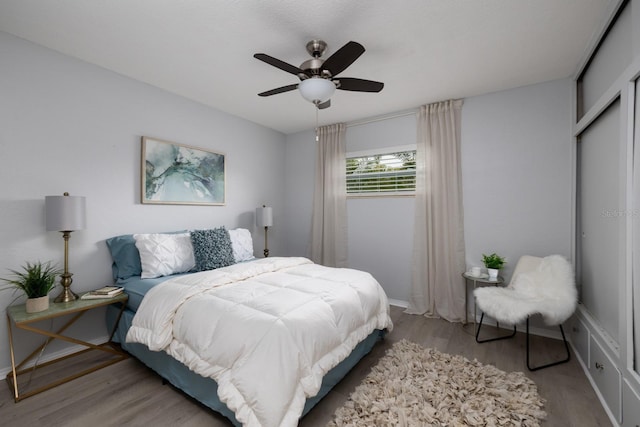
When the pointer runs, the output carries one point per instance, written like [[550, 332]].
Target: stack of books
[[105, 292]]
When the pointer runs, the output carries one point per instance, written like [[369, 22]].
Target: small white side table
[[484, 281]]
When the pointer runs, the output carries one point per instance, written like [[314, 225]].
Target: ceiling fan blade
[[324, 105], [279, 90], [278, 64], [343, 57], [359, 85]]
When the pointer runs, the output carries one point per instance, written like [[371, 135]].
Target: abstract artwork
[[178, 174]]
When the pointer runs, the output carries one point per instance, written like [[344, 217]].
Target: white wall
[[380, 235], [516, 182], [300, 157], [516, 172], [378, 228], [71, 126]]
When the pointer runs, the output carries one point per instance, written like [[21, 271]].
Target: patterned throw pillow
[[212, 248], [242, 244], [164, 254]]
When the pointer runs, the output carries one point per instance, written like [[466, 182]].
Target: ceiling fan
[[317, 76]]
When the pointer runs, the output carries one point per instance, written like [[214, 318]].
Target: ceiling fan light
[[316, 89]]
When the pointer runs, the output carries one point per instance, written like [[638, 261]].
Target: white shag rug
[[414, 386]]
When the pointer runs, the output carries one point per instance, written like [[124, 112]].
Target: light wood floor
[[129, 394]]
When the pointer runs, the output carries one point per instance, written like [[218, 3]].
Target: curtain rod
[[383, 117]]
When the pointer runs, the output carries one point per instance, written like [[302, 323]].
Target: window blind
[[382, 174]]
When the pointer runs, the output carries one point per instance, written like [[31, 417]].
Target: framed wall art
[[181, 175]]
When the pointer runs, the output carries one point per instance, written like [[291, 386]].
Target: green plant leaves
[[36, 280], [493, 261]]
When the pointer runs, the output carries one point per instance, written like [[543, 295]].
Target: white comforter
[[267, 331]]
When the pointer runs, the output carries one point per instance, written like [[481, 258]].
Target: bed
[[278, 332]]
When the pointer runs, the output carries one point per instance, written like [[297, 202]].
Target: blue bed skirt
[[205, 390]]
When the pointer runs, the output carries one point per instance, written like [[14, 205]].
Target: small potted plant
[[494, 263], [36, 281]]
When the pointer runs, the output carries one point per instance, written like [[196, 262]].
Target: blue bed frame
[[205, 389]]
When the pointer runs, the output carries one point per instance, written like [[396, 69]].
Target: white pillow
[[164, 254], [242, 244]]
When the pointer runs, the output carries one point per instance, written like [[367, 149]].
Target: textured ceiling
[[423, 50]]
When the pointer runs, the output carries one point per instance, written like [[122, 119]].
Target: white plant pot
[[35, 305], [493, 273]]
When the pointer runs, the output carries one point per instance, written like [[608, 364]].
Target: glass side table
[[483, 280], [17, 315]]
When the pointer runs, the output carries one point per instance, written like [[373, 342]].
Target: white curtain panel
[[329, 223], [437, 288]]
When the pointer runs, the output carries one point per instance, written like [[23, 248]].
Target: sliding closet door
[[635, 227], [598, 219]]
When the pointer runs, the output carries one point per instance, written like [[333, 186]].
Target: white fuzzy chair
[[544, 286]]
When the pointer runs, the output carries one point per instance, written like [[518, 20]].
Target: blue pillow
[[212, 248], [125, 255]]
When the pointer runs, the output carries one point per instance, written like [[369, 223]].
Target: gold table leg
[[16, 370], [13, 363]]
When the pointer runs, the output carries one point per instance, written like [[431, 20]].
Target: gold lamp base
[[66, 296], [65, 278]]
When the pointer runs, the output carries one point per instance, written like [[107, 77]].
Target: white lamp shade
[[264, 216], [65, 213], [316, 89]]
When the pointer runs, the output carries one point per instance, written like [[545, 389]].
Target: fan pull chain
[[317, 126]]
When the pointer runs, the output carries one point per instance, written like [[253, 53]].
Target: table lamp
[[264, 218], [65, 214]]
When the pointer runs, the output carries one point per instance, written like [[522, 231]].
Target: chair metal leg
[[502, 337], [566, 346]]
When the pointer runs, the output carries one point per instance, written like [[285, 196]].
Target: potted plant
[[494, 263], [36, 281]]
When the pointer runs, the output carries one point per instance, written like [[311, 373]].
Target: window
[[389, 172]]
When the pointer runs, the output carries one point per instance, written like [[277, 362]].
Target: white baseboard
[[60, 353], [398, 303]]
